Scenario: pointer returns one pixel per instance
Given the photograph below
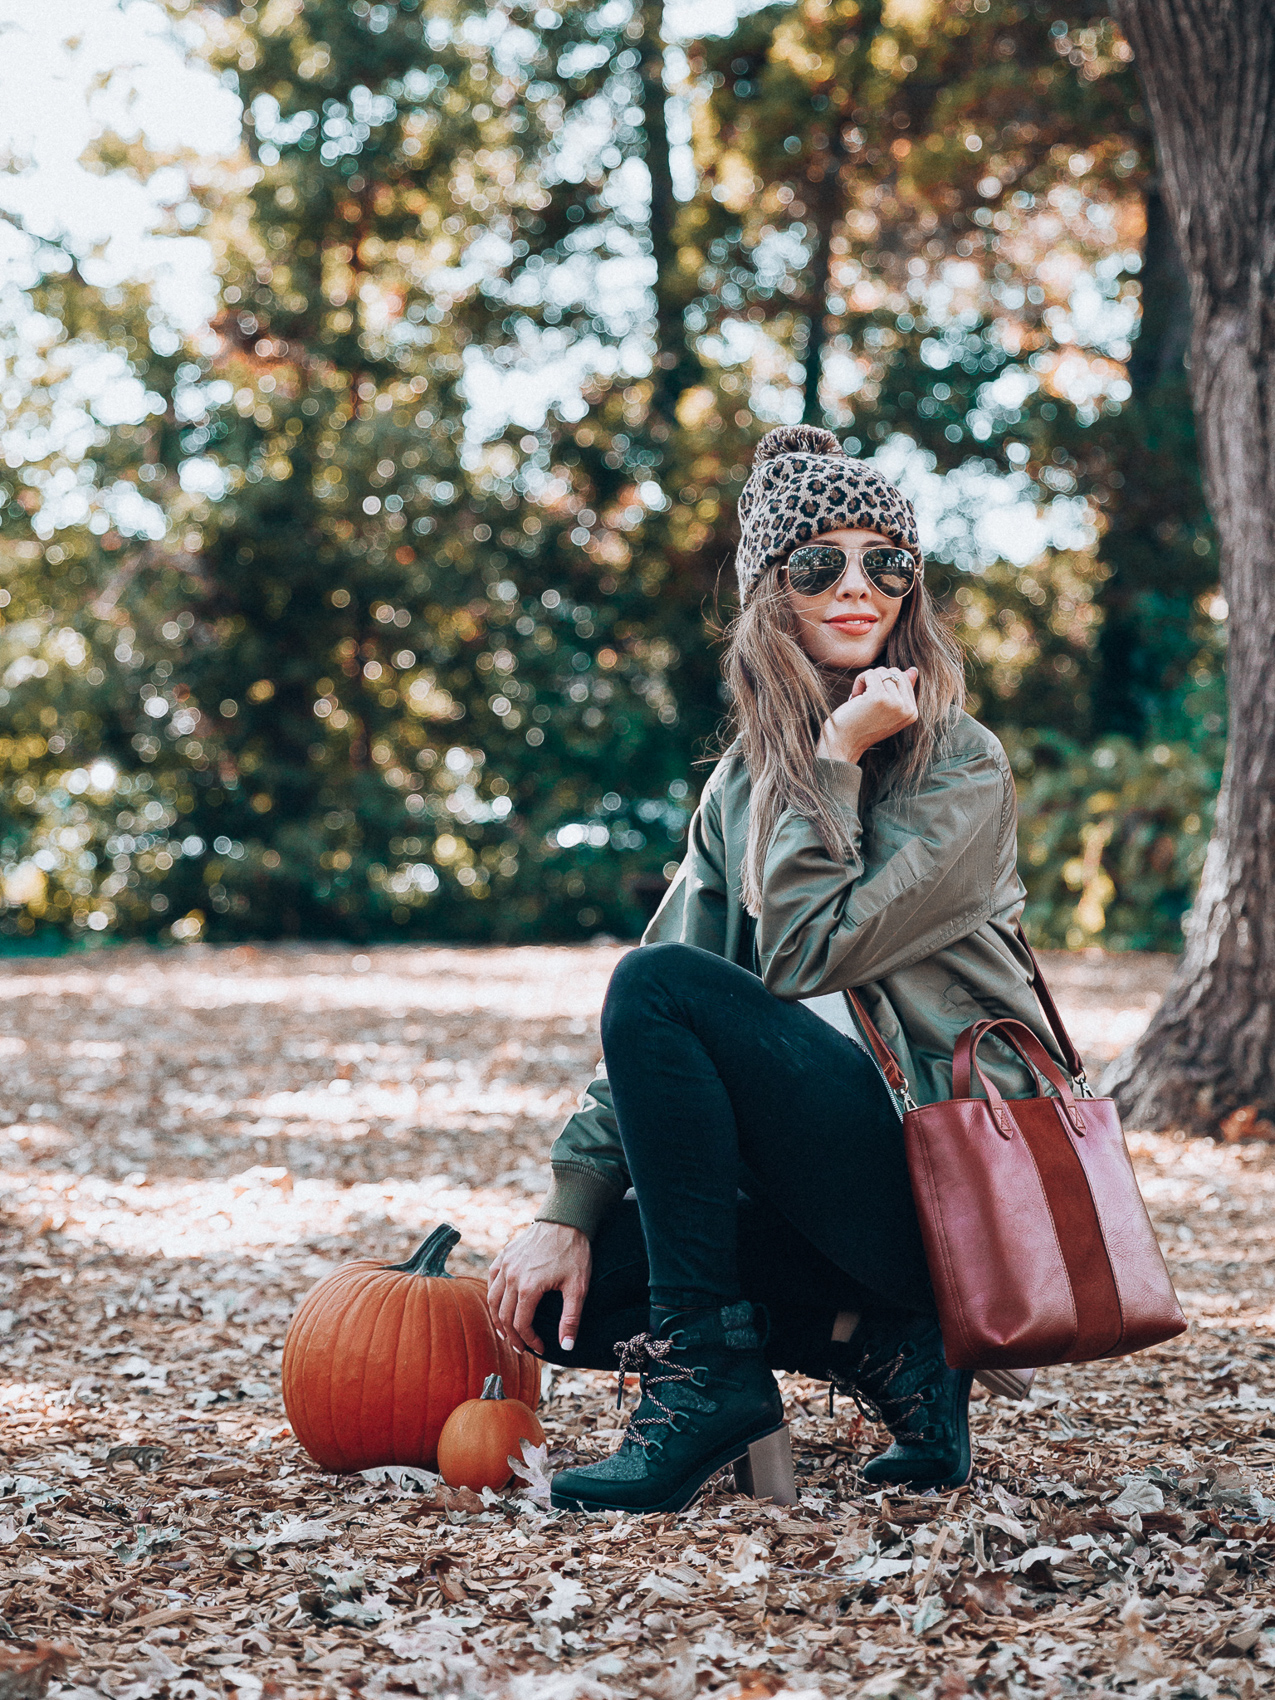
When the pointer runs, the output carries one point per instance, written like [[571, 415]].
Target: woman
[[860, 832]]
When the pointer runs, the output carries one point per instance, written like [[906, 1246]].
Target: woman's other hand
[[882, 702], [547, 1257]]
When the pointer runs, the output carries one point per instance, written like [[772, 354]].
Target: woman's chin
[[847, 654]]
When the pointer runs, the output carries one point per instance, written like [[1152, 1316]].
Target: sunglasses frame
[[861, 557]]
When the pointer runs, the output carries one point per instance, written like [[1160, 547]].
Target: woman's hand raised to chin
[[544, 1258], [882, 702]]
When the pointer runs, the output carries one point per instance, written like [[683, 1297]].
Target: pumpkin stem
[[493, 1388], [430, 1257]]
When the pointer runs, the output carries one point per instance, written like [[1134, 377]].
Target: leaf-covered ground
[[191, 1138]]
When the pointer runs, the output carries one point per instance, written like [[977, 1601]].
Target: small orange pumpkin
[[378, 1356], [480, 1436]]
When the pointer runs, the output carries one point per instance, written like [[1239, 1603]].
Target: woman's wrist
[[565, 1233], [837, 744]]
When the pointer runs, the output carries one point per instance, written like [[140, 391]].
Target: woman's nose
[[853, 582]]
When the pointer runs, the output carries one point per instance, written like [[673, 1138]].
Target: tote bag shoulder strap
[[895, 1078], [898, 1081], [1071, 1056]]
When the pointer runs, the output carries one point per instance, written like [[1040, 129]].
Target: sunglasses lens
[[815, 568], [893, 571]]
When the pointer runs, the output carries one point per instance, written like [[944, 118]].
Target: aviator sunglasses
[[818, 566]]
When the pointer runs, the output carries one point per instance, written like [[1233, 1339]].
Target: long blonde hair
[[780, 699]]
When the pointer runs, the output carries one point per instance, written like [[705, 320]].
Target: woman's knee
[[643, 975]]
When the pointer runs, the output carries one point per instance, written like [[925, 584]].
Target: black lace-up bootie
[[893, 1367], [706, 1397]]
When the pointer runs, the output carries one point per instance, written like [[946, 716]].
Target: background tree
[[1208, 67], [1159, 549], [916, 199], [409, 653], [82, 536]]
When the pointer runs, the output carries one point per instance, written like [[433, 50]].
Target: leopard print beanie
[[803, 484]]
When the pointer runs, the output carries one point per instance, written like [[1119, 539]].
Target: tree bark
[[825, 198], [825, 207], [1164, 335], [1147, 638], [674, 369], [1208, 68]]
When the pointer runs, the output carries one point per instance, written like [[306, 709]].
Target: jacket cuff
[[580, 1196], [842, 782]]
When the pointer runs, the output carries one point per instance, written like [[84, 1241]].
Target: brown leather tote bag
[[1039, 1245]]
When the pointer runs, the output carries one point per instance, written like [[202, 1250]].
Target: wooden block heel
[[765, 1470], [1009, 1383]]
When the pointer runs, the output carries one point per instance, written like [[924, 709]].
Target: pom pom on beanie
[[803, 484], [796, 440]]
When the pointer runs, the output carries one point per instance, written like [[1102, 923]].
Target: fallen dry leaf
[[27, 1667], [189, 1139], [532, 1469]]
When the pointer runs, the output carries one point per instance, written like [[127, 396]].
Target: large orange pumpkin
[[481, 1436], [379, 1355]]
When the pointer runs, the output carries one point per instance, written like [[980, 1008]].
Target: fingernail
[[569, 1345]]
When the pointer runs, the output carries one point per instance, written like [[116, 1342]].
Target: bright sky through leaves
[[69, 72]]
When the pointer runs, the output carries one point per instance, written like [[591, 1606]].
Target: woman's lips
[[854, 623]]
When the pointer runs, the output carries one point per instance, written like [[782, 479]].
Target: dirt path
[[188, 1140]]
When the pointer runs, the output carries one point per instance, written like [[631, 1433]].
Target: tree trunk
[[823, 200], [1148, 637], [1164, 335], [1208, 67], [672, 364]]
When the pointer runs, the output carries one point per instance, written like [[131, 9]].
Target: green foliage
[[320, 658], [1112, 839], [72, 695], [1000, 153]]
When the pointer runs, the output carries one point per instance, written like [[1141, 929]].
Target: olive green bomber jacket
[[919, 919]]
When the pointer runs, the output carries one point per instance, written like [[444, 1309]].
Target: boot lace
[[868, 1384], [642, 1356]]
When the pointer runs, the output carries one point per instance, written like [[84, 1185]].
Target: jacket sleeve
[[828, 923], [589, 1172]]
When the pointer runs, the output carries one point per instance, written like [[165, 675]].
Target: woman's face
[[846, 626]]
